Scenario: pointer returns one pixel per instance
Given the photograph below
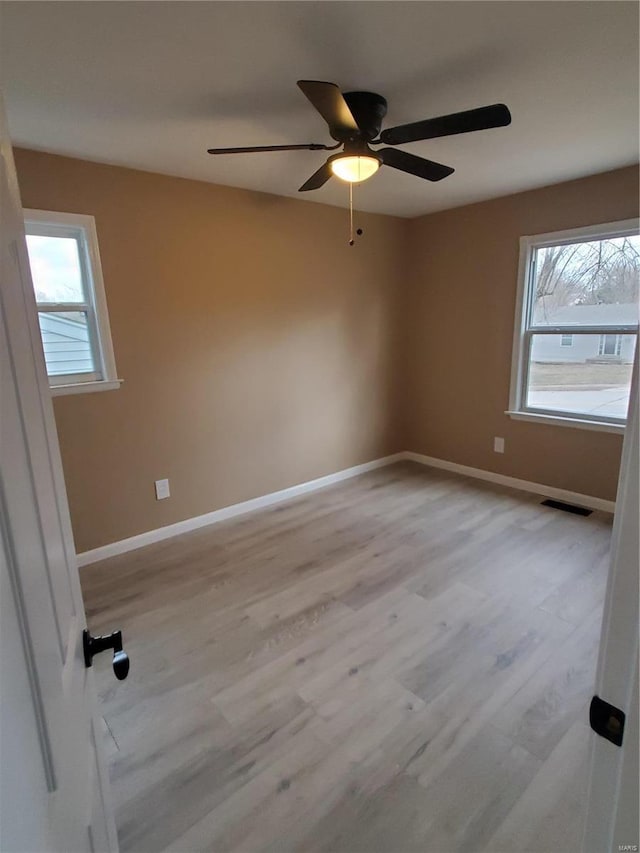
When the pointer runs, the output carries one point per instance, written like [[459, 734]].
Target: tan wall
[[259, 350], [256, 346], [460, 315]]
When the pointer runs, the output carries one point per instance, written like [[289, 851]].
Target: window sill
[[557, 420], [86, 387]]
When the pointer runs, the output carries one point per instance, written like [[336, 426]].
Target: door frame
[[55, 786], [612, 801]]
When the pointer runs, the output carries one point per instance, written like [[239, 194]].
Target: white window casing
[[82, 229], [525, 329]]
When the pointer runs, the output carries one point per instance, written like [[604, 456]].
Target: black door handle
[[94, 645], [606, 720]]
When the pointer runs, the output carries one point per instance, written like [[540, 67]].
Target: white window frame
[[524, 329], [82, 228], [566, 340]]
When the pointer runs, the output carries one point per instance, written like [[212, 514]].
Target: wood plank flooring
[[401, 662]]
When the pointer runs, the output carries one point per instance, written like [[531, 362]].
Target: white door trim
[[613, 783], [54, 786]]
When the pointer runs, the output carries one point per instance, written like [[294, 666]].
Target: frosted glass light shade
[[354, 169]]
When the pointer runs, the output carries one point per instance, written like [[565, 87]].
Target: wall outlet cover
[[498, 444], [162, 489]]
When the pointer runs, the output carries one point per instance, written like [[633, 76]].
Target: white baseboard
[[227, 512], [513, 482], [232, 511]]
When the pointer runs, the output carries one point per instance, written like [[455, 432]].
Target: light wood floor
[[398, 663]]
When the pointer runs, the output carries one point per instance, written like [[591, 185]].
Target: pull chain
[[351, 240], [358, 230]]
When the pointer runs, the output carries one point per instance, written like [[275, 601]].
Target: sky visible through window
[[55, 268]]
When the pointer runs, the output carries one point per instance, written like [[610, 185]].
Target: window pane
[[65, 339], [587, 284], [592, 377], [55, 268]]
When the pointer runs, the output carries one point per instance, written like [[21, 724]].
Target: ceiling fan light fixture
[[354, 168]]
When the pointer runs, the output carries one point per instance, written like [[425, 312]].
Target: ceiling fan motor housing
[[368, 109]]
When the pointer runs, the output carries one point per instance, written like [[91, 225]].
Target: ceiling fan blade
[[328, 100], [313, 146], [318, 179], [427, 169], [482, 118]]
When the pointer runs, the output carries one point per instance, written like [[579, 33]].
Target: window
[[72, 309], [576, 326]]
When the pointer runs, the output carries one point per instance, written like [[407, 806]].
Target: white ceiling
[[153, 85]]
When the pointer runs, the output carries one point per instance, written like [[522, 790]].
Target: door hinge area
[[606, 720]]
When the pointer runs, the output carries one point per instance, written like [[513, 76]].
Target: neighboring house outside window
[[577, 326], [71, 303]]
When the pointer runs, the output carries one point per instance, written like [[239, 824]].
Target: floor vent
[[576, 510]]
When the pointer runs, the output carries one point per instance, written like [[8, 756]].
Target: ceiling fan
[[355, 119]]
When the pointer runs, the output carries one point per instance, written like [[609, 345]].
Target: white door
[[54, 793], [612, 814]]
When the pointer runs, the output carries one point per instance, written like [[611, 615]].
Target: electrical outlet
[[498, 444], [162, 489]]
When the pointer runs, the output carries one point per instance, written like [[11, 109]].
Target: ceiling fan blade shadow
[[330, 103], [318, 179], [482, 118], [418, 166]]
